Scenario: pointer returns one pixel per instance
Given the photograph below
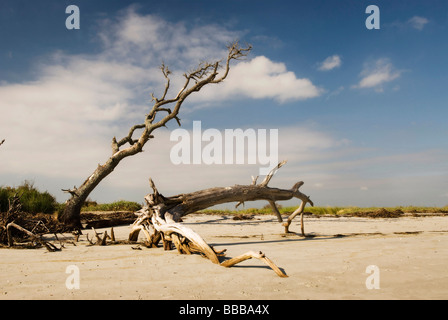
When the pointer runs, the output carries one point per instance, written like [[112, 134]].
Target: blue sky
[[361, 113]]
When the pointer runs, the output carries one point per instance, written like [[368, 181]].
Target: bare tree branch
[[268, 178], [71, 191]]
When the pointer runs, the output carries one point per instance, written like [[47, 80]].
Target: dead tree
[[204, 74], [159, 219]]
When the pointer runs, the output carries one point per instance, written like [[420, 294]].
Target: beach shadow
[[231, 221], [258, 267], [310, 237], [261, 266]]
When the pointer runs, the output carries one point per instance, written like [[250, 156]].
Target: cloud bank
[[261, 78], [59, 126]]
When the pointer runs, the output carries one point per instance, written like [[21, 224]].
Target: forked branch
[[205, 73]]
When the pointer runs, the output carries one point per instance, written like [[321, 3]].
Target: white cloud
[[418, 22], [376, 74], [335, 92], [261, 78], [330, 63], [149, 39]]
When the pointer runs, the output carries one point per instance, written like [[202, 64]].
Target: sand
[[410, 254]]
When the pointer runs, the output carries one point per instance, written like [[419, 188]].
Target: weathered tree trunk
[[178, 206], [205, 74], [181, 205], [72, 210]]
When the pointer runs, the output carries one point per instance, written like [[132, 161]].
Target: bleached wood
[[161, 215], [258, 255], [168, 228]]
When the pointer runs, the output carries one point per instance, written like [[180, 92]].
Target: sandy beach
[[410, 255]]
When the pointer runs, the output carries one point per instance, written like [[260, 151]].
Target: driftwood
[[102, 241], [15, 227], [50, 247], [159, 219]]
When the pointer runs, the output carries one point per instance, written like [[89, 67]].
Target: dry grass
[[371, 212]]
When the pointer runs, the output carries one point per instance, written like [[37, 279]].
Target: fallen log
[[175, 207], [160, 218]]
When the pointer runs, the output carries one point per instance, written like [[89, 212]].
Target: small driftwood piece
[[101, 241], [159, 219], [50, 247], [258, 255]]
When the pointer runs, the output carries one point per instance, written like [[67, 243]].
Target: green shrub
[[4, 196], [32, 200], [121, 205]]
